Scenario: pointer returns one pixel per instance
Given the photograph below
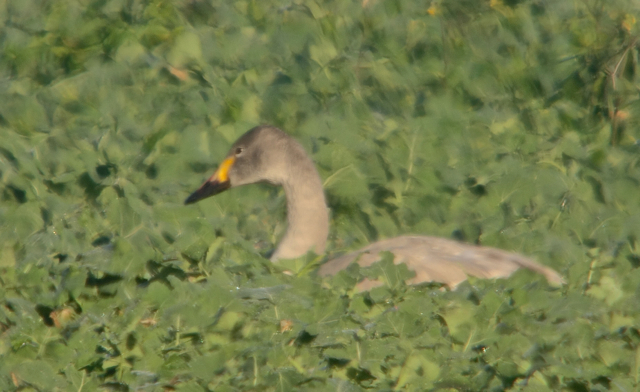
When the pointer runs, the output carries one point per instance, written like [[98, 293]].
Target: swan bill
[[217, 183]]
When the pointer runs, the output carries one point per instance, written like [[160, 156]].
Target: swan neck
[[307, 214]]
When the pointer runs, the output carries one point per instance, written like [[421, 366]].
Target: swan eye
[[239, 151]]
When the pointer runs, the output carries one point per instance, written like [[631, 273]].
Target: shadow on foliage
[[161, 273]]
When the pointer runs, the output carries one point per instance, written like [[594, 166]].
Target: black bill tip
[[209, 188]]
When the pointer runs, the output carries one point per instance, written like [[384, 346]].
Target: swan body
[[267, 154]]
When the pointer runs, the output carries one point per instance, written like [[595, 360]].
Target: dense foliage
[[507, 123]]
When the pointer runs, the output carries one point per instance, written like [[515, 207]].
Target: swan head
[[262, 154]]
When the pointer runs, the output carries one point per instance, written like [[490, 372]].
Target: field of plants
[[505, 123]]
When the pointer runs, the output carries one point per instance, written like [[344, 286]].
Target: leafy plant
[[505, 123]]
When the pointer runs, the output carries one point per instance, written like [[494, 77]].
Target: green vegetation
[[507, 123]]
